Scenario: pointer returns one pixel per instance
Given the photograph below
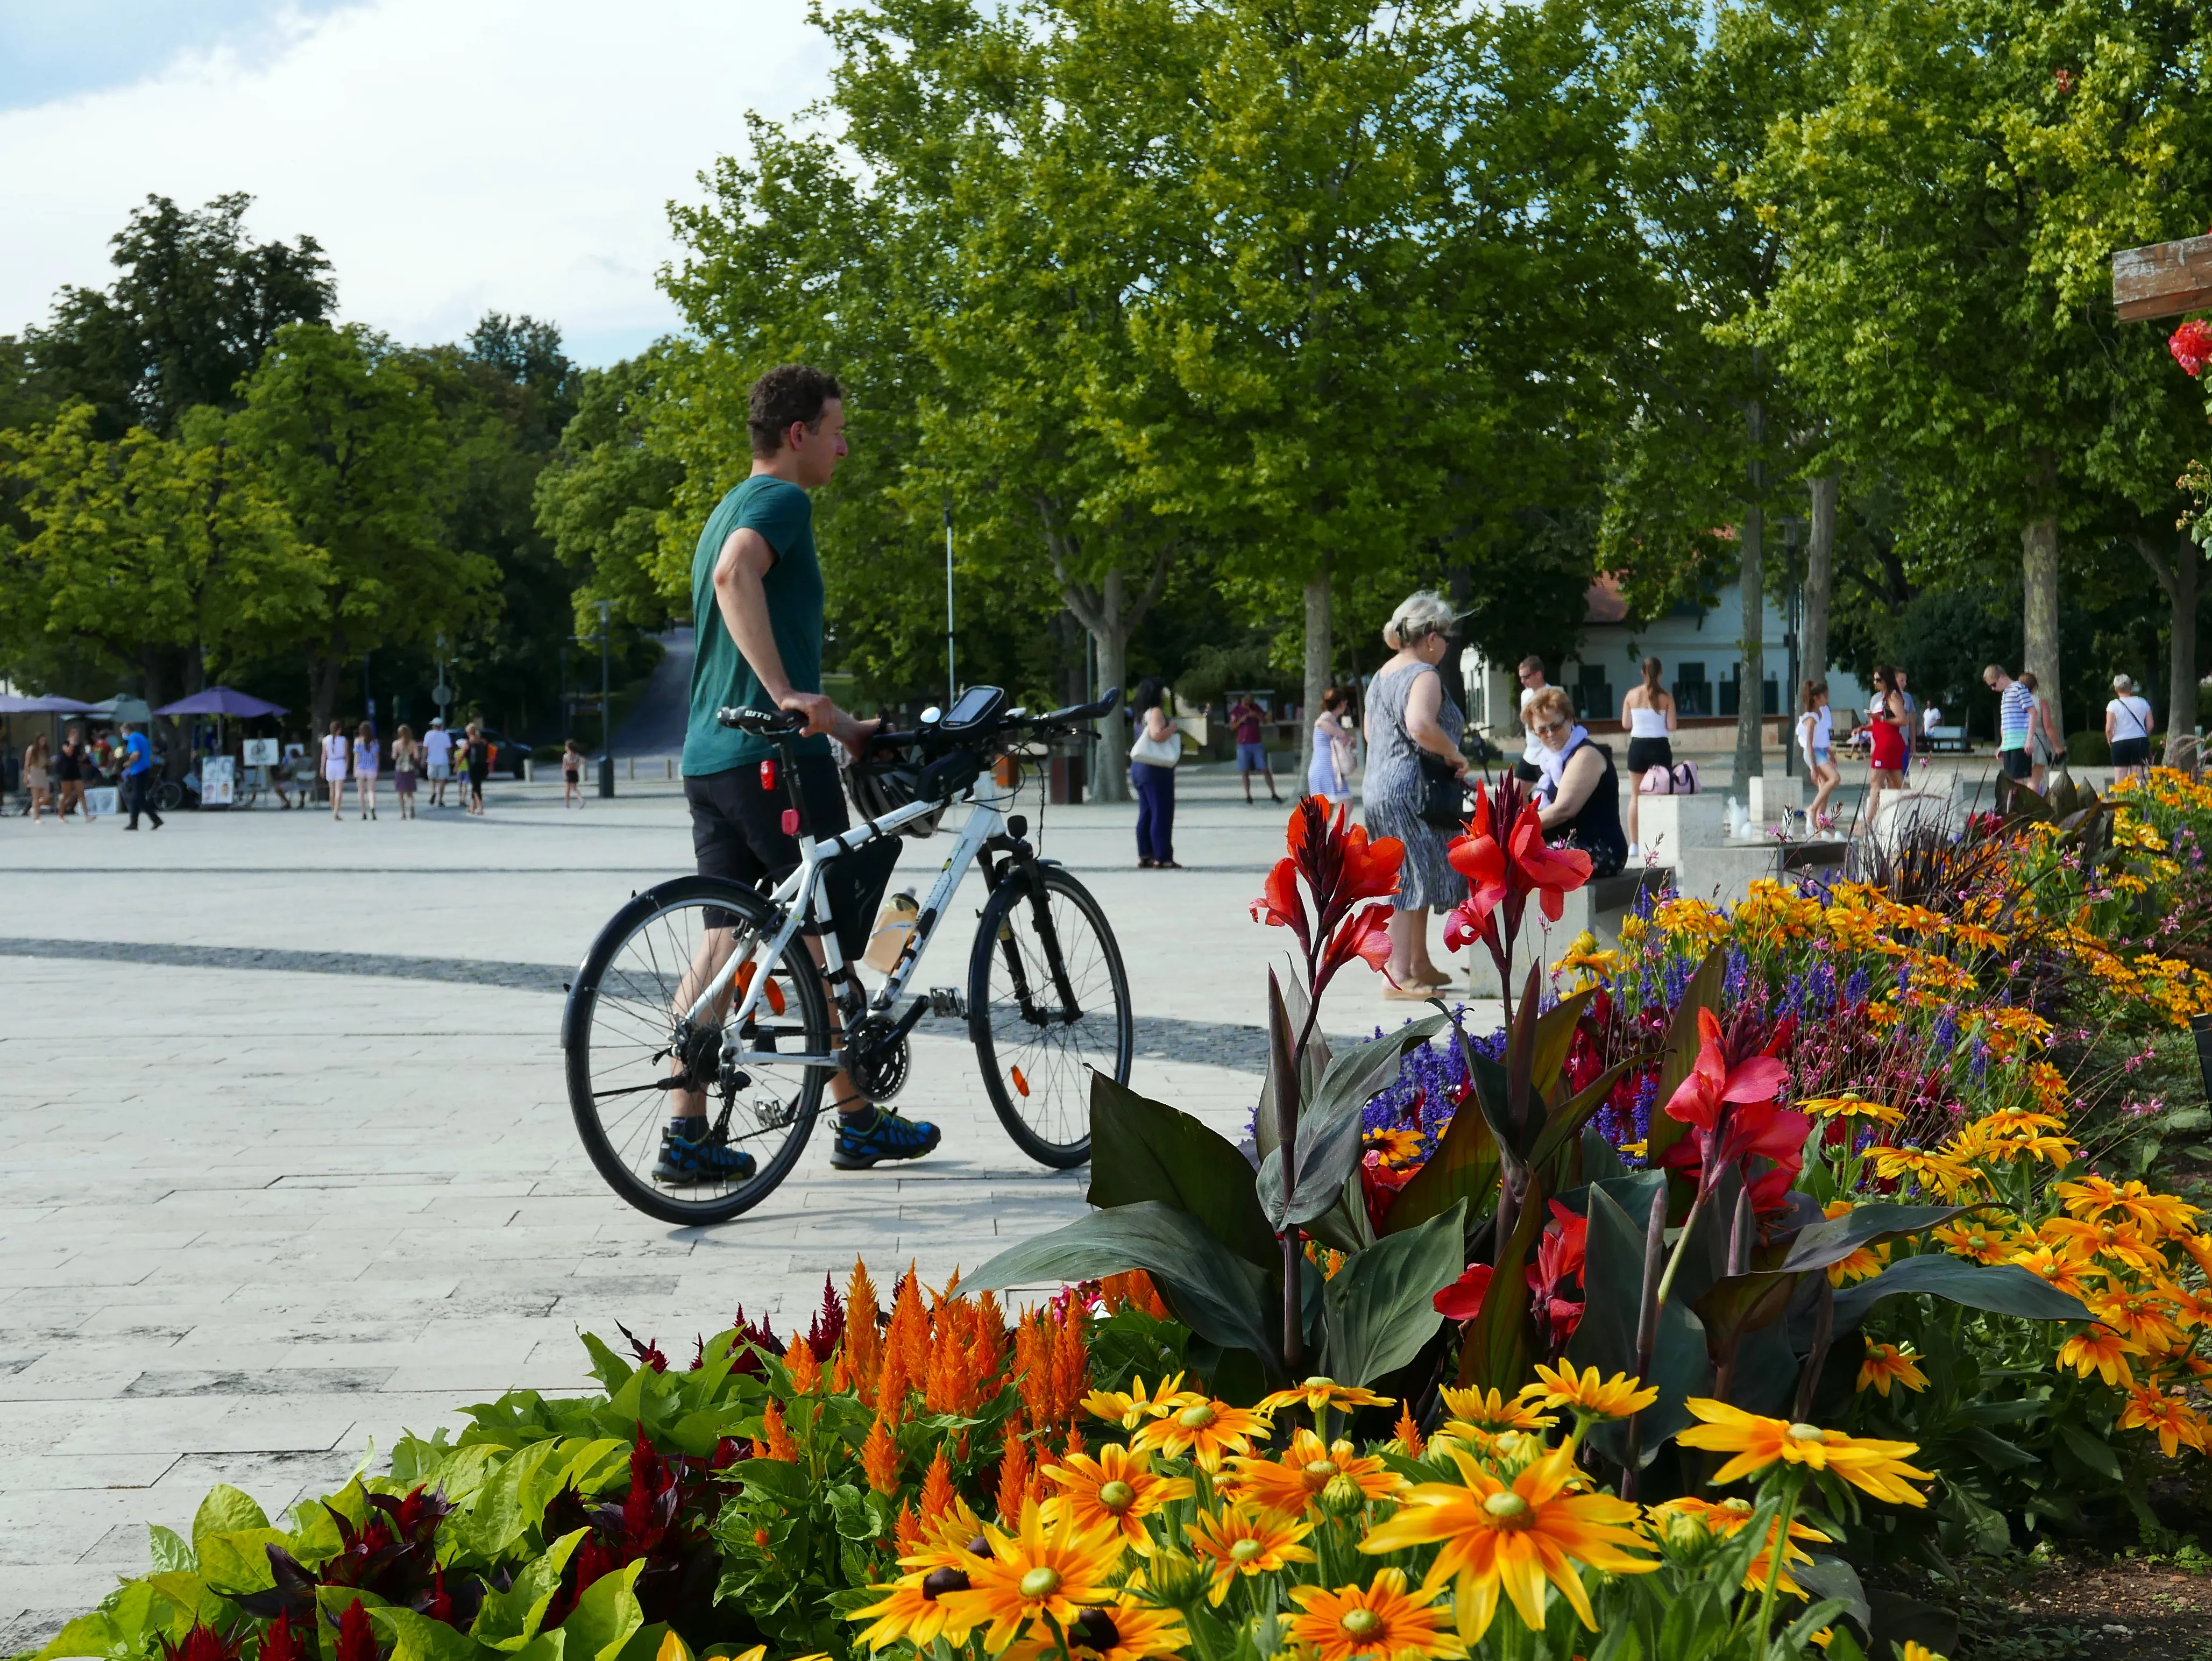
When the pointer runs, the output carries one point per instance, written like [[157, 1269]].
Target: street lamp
[[606, 711]]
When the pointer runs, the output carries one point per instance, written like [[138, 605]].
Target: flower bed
[[1811, 1235]]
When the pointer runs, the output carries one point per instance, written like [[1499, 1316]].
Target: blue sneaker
[[863, 1142], [685, 1162]]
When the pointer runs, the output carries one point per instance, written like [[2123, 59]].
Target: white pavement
[[286, 1166]]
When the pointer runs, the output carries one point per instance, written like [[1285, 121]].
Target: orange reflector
[[1020, 1083], [745, 985]]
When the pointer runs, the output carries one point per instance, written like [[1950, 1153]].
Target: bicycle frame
[[802, 896]]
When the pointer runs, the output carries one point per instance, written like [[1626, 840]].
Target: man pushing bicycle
[[756, 604]]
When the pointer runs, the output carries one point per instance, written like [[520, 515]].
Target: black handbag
[[1443, 798]]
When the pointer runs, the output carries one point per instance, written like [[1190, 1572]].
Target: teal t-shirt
[[783, 515]]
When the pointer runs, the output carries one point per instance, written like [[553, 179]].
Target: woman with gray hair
[[1409, 714], [2128, 721]]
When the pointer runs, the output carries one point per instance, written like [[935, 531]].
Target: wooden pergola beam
[[2163, 280]]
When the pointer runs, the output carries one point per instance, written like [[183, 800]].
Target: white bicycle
[[695, 984]]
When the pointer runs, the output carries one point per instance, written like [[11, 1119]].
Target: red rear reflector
[[768, 774], [790, 821]]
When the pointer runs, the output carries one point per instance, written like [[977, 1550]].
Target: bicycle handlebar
[[764, 723]]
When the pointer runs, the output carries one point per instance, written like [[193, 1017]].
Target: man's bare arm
[[740, 571]]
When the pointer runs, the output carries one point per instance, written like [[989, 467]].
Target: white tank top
[[1647, 723]]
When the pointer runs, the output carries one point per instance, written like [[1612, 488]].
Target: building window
[[1693, 694]]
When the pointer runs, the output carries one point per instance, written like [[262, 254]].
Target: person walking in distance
[[1530, 767], [406, 765], [37, 775], [2015, 712], [1816, 739], [365, 768], [1885, 743], [1246, 722], [2128, 720], [438, 759], [756, 597], [334, 766], [1647, 715], [1152, 758], [2045, 745], [69, 769], [1329, 774], [1410, 715], [571, 776], [1912, 727], [475, 755], [138, 777]]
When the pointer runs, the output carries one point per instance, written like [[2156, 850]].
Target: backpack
[[1686, 777]]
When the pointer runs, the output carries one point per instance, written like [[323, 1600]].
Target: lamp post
[[606, 711], [952, 670], [1790, 527]]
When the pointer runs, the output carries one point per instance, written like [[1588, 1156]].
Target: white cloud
[[452, 155]]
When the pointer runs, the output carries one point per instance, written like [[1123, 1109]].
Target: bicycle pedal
[[946, 1003]]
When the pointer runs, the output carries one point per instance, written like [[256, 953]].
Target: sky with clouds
[[452, 156]]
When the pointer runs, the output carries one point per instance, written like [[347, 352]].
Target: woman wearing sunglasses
[[1580, 792]]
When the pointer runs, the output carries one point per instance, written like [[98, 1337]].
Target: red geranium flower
[[2192, 346]]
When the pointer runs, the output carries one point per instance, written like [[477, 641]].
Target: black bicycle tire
[[1059, 1156], [575, 1026]]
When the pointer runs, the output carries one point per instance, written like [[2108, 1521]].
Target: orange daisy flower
[[1477, 1417], [1376, 1622], [2174, 1419], [1876, 1467], [1117, 1489], [2101, 1351], [1125, 1631], [1131, 1408], [1616, 1397], [1036, 1572], [1245, 1540], [2062, 1269], [1294, 1483], [1885, 1365], [1205, 1431], [1514, 1538], [1726, 1517], [1316, 1393]]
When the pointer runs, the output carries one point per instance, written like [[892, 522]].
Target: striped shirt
[[2015, 709]]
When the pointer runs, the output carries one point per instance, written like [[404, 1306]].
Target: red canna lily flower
[[1731, 1111], [1504, 859], [1340, 871], [1563, 1251], [1463, 1299]]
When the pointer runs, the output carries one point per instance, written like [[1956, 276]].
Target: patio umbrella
[[14, 705], [221, 700], [122, 708]]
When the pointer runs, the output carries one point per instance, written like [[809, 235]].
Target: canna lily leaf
[[1463, 1169], [1218, 1294], [1142, 1149], [1329, 1134], [1613, 1279], [1834, 1239], [1378, 1306], [2001, 1288], [1496, 1350]]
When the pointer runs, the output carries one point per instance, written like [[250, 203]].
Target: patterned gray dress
[[1391, 797]]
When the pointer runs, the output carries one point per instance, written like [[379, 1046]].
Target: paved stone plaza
[[286, 1164]]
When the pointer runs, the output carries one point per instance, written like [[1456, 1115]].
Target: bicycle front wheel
[[1047, 1003], [632, 1056]]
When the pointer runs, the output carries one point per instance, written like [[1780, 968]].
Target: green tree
[[602, 492], [350, 435], [194, 307]]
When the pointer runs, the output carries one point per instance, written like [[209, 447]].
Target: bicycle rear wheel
[[1038, 1036], [627, 1046]]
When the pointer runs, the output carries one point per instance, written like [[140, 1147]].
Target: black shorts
[[2130, 752], [1646, 754], [1528, 773], [2016, 763], [737, 824]]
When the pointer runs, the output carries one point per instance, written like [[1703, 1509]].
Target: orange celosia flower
[[1294, 1483], [863, 1345], [805, 1369], [1408, 1434], [879, 1458], [1015, 1473], [1134, 1290], [906, 1529], [937, 1490], [2099, 1349], [774, 1439], [987, 1345]]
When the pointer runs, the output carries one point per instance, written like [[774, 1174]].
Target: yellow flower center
[[1360, 1622], [1317, 1382], [1506, 1505], [1741, 1507], [1243, 1551], [1321, 1470], [1041, 1582], [1116, 1495], [1804, 1433], [1196, 1418]]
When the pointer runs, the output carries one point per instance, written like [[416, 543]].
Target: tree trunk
[[1319, 654], [1819, 582], [1110, 629], [2039, 574], [1751, 671], [324, 670], [2175, 565]]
